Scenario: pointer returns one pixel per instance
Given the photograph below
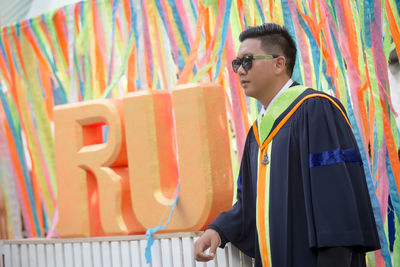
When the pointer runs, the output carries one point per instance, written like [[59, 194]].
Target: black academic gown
[[318, 192]]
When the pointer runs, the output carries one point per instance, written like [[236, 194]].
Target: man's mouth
[[244, 83]]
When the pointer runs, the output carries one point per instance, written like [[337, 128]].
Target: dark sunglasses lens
[[236, 64], [247, 63]]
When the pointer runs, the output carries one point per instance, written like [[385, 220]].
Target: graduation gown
[[316, 193]]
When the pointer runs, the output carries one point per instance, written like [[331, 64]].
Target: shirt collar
[[284, 88]]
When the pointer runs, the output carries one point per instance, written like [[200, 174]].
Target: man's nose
[[241, 70]]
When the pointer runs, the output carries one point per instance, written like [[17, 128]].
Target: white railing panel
[[168, 250], [125, 255], [143, 244], [115, 254], [59, 252], [15, 255], [87, 254], [135, 253], [77, 250], [68, 255], [1, 253], [246, 260], [187, 247], [41, 256], [50, 259], [106, 255], [96, 253], [24, 255], [7, 255], [166, 253], [234, 256], [32, 255], [177, 252], [222, 257], [156, 254]]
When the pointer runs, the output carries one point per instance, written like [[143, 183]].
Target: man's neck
[[283, 85]]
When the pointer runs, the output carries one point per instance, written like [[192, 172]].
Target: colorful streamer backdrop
[[104, 49]]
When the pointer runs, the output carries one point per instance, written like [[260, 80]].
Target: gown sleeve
[[338, 206], [238, 224]]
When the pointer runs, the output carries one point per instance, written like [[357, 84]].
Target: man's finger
[[199, 247], [203, 257], [213, 247]]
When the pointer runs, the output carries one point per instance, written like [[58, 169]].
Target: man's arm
[[238, 224], [339, 211], [213, 236]]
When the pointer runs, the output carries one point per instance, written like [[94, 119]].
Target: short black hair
[[274, 35]]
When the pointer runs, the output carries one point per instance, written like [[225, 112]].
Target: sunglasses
[[247, 61]]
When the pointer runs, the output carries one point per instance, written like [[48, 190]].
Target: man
[[302, 198]]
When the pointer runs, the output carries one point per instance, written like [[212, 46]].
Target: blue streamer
[[367, 25], [261, 11], [394, 194], [179, 24], [339, 56], [225, 26], [80, 8], [3, 52], [161, 13], [287, 18], [194, 11], [398, 6], [181, 61], [14, 60], [151, 231], [376, 154], [370, 12], [370, 183]]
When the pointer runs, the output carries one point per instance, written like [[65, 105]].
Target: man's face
[[256, 80]]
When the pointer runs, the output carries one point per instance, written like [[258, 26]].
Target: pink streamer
[[171, 34], [147, 43], [380, 63], [237, 113], [353, 75], [302, 45], [383, 183], [51, 233], [182, 14]]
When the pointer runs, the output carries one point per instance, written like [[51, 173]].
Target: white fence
[[169, 250]]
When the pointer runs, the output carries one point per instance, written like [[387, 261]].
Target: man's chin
[[248, 92]]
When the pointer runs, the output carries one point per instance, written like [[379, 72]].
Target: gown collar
[[282, 101]]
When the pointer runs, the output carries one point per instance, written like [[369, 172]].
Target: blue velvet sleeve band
[[334, 157]]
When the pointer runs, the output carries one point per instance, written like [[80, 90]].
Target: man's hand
[[209, 239]]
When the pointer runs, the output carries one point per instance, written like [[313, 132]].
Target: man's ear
[[280, 65]]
